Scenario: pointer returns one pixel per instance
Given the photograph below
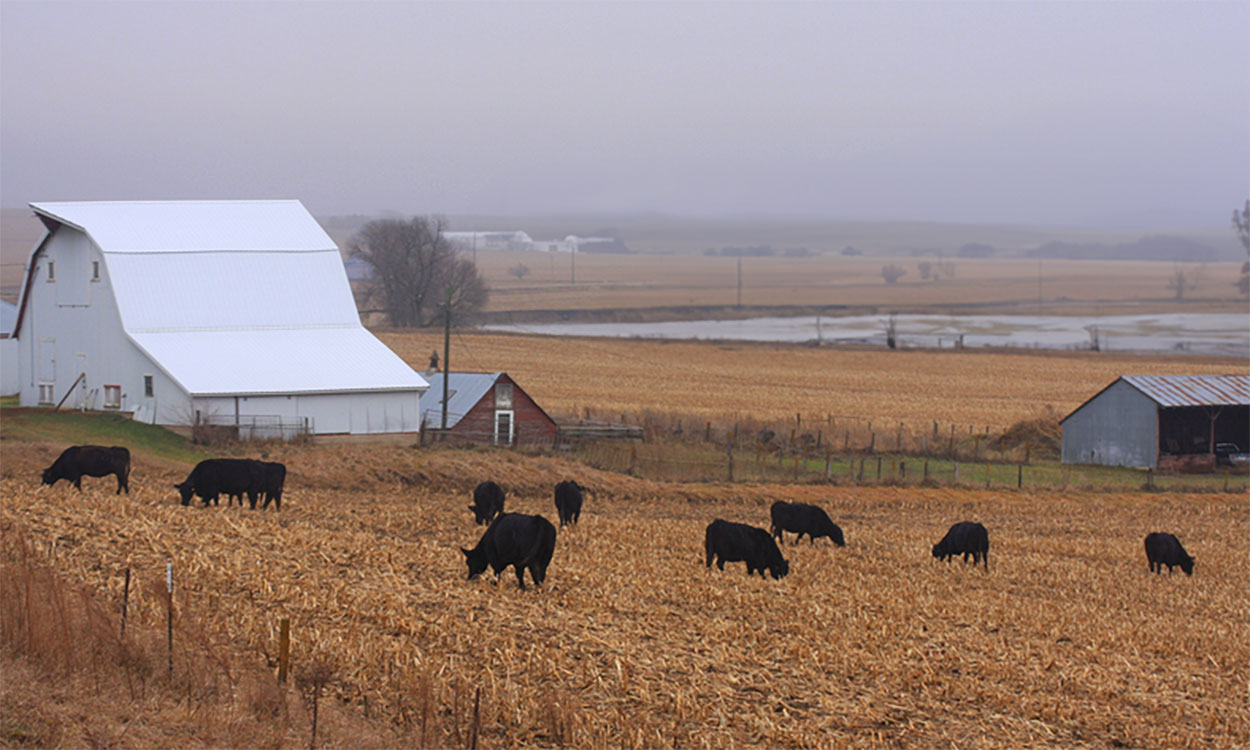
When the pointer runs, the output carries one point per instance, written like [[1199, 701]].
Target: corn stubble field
[[1066, 641]]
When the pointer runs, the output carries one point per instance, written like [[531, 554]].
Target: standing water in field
[[1191, 333]]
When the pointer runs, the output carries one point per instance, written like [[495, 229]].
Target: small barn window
[[51, 271], [95, 270], [503, 395], [147, 386], [112, 397], [46, 393]]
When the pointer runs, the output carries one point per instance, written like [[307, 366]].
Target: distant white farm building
[[518, 241], [238, 311]]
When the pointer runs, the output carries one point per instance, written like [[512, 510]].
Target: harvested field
[[710, 381], [623, 282], [1066, 641]]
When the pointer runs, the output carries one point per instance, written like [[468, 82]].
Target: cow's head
[[476, 561], [836, 535], [779, 569], [479, 514], [1187, 564], [186, 490], [48, 476]]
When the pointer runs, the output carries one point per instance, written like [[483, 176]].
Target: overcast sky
[[1008, 112]]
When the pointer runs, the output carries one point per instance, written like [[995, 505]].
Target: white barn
[[238, 312]]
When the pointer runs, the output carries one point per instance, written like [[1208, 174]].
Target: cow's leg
[[78, 482], [720, 563], [520, 575]]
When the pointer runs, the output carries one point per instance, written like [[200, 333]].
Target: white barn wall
[[76, 320], [328, 413]]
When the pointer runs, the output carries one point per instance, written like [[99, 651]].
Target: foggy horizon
[[1076, 114]]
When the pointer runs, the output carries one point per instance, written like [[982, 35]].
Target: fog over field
[[1111, 115]]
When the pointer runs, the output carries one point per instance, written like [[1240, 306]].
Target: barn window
[[147, 386], [95, 270], [503, 395], [51, 271], [46, 393], [112, 397]]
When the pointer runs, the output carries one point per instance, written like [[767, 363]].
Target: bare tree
[[520, 270], [416, 272], [926, 270], [1181, 281], [892, 273], [1241, 220]]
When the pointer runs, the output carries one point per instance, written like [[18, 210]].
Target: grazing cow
[[803, 519], [568, 502], [965, 538], [1165, 549], [274, 476], [234, 477], [487, 502], [514, 539], [725, 542], [78, 461]]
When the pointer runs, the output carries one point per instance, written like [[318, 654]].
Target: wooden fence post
[[284, 649], [125, 601], [956, 473], [1019, 476], [987, 475], [829, 465], [926, 470], [729, 452], [169, 609], [878, 468], [898, 443]]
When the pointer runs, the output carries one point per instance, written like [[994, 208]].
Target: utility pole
[[739, 282], [446, 357], [573, 264]]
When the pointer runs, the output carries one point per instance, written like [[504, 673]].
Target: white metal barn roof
[[235, 297], [465, 389]]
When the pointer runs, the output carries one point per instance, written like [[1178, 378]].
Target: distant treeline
[[1159, 247]]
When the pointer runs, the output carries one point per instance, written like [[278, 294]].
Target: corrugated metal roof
[[1193, 390], [194, 291], [287, 360], [465, 389], [8, 317], [236, 297], [192, 226]]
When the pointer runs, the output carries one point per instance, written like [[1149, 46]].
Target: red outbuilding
[[484, 407]]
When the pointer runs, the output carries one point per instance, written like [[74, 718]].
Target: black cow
[[803, 518], [78, 461], [234, 477], [1165, 549], [568, 502], [273, 477], [514, 539], [965, 538], [737, 542], [487, 502]]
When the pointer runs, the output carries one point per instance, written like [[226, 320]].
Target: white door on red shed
[[503, 427]]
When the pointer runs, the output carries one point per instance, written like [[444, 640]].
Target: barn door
[[503, 427]]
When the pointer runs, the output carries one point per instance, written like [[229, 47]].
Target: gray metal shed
[[1149, 420]]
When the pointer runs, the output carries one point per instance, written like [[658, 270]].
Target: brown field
[[1066, 641], [623, 282], [724, 383]]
